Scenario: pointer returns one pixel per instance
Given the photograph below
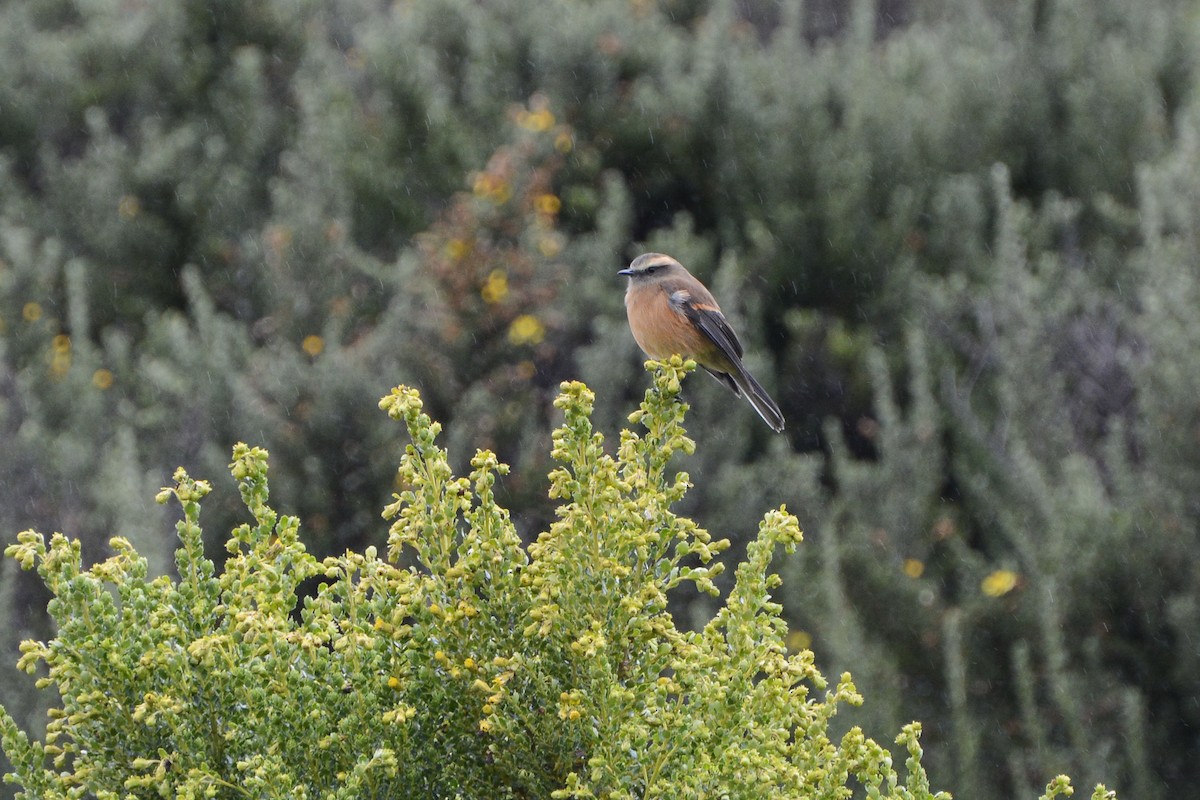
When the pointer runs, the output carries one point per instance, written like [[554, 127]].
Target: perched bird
[[670, 312]]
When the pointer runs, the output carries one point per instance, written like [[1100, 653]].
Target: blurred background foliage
[[957, 236]]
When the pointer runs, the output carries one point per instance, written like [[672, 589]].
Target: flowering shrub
[[489, 268], [462, 663]]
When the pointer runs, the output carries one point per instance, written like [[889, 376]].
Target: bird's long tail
[[758, 398]]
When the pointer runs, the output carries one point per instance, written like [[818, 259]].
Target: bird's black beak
[[625, 272]]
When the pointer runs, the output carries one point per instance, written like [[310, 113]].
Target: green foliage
[[483, 668], [954, 237]]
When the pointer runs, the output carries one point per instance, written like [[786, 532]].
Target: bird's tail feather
[[759, 398]]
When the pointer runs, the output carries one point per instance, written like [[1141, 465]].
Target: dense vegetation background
[[957, 237]]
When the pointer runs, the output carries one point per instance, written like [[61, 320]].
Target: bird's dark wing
[[710, 321]]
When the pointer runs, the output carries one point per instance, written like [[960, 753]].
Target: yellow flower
[[456, 249], [492, 188], [482, 185], [495, 288], [563, 142], [102, 379], [60, 361], [547, 204], [540, 120], [313, 345], [32, 311], [999, 583], [526, 329], [393, 682], [914, 568]]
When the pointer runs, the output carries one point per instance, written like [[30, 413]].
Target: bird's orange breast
[[659, 329], [662, 331]]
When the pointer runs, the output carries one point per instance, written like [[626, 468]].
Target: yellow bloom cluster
[[999, 583], [495, 288], [526, 329]]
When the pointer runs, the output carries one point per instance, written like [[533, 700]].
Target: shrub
[[480, 666], [462, 663]]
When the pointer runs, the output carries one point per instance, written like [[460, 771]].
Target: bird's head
[[652, 267]]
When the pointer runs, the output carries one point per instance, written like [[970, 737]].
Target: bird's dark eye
[[652, 270]]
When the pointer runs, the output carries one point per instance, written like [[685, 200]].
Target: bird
[[671, 312]]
